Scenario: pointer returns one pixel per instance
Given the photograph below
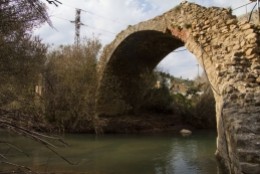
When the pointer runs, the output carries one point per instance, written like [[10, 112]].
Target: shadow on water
[[123, 154]]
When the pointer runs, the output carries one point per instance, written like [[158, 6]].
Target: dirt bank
[[144, 123]]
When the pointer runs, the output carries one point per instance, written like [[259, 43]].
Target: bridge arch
[[227, 49], [136, 55]]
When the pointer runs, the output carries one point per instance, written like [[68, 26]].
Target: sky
[[106, 18]]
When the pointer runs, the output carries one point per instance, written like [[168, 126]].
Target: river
[[121, 154]]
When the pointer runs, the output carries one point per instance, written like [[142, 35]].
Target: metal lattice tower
[[77, 27]]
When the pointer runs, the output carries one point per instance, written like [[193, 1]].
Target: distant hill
[[176, 79]]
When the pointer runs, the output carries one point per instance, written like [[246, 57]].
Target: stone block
[[258, 80], [242, 43], [249, 51], [250, 168], [251, 36], [248, 31], [246, 26], [233, 27], [231, 21], [236, 47], [256, 67]]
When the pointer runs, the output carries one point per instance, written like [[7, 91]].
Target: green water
[[121, 154]]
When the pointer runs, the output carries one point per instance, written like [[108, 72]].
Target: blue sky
[[106, 18]]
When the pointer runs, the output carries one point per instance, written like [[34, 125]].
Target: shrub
[[71, 82]]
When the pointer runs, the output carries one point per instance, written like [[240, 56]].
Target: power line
[[99, 29], [58, 17], [77, 24], [55, 2], [107, 35], [94, 14], [84, 25], [116, 21], [242, 6]]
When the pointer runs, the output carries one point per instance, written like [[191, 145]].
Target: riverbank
[[144, 123], [121, 124]]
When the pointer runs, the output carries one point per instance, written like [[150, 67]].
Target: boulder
[[185, 132]]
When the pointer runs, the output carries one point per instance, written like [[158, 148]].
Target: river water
[[120, 154]]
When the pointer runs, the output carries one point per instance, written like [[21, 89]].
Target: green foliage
[[202, 112], [182, 106], [22, 56], [158, 100], [196, 108], [22, 59], [21, 15], [71, 83], [205, 111]]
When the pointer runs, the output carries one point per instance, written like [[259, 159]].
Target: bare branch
[[38, 138], [62, 157], [14, 147], [55, 2], [27, 133], [19, 166], [2, 156]]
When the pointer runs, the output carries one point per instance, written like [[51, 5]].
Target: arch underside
[[137, 55]]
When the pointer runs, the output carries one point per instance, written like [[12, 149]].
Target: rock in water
[[185, 132]]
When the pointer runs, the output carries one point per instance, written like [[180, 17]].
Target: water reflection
[[124, 154], [189, 156]]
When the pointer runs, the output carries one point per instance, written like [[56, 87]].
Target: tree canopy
[[21, 55], [21, 15]]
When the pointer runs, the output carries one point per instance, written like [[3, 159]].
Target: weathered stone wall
[[254, 17], [229, 52]]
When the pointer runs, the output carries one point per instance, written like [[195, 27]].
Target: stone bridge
[[226, 48]]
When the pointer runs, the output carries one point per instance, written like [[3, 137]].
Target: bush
[[71, 82], [158, 100]]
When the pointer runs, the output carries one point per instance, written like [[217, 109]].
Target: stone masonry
[[228, 50]]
